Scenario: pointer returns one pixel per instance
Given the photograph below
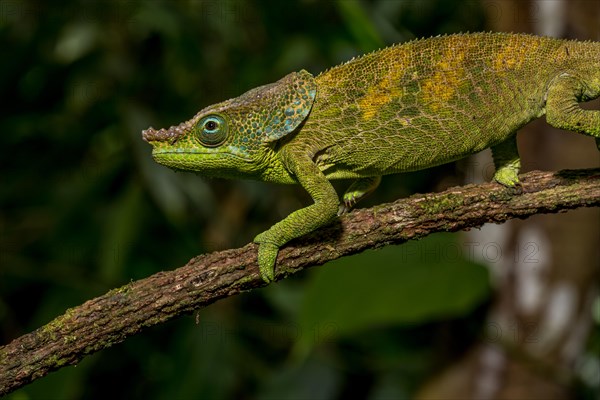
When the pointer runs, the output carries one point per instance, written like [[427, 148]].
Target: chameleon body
[[402, 108]]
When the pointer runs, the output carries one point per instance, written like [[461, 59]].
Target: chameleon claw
[[345, 207], [516, 189]]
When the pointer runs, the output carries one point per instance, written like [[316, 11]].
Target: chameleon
[[403, 108]]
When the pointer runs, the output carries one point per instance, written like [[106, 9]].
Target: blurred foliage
[[83, 208]]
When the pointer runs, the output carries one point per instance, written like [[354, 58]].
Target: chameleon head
[[233, 138]]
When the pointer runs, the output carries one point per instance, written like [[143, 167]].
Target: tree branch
[[101, 322]]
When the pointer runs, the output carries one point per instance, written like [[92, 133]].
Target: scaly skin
[[403, 108]]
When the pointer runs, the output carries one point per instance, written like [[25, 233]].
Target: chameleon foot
[[507, 173], [357, 191], [507, 177], [267, 255]]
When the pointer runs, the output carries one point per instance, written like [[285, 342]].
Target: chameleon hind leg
[[507, 162], [358, 190], [563, 111]]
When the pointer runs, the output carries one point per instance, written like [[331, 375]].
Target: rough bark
[[109, 319]]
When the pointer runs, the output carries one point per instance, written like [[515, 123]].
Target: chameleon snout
[[150, 135], [170, 135]]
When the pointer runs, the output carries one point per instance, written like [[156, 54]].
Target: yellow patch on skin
[[449, 74], [388, 87], [561, 54], [513, 53]]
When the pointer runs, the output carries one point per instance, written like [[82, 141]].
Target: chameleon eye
[[212, 130]]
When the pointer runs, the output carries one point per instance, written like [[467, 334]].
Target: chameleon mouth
[[210, 164], [176, 153]]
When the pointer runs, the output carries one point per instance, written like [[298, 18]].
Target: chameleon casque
[[403, 108]]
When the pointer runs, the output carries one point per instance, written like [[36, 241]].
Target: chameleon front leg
[[299, 222], [358, 190], [562, 108], [507, 162]]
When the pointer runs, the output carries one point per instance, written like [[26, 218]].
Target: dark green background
[[85, 209]]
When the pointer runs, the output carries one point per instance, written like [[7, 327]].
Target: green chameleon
[[403, 108]]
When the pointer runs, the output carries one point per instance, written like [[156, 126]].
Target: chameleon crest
[[403, 108]]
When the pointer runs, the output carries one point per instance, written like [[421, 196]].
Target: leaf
[[416, 282]]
